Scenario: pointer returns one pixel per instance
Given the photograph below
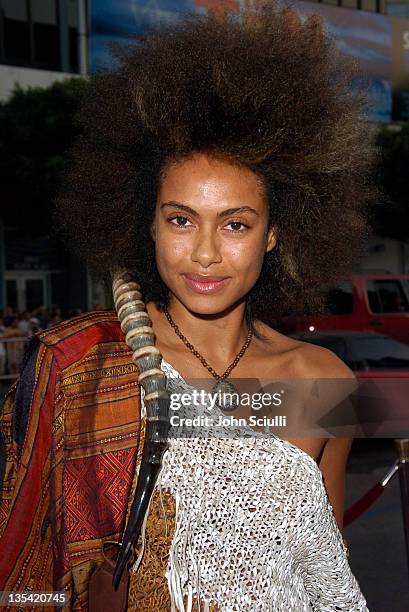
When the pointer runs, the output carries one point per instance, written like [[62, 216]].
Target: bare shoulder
[[320, 362], [305, 359]]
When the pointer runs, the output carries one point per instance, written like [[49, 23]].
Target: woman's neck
[[217, 337]]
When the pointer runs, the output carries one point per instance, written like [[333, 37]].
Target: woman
[[224, 165]]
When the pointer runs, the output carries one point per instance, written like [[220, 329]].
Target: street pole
[[403, 452], [82, 37]]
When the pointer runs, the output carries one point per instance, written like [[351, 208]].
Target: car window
[[380, 353], [339, 299], [387, 296]]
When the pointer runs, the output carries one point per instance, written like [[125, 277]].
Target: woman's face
[[210, 232]]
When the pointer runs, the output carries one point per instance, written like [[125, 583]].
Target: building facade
[[41, 42]]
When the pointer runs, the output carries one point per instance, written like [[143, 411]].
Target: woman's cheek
[[245, 256], [172, 248], [239, 252], [178, 248]]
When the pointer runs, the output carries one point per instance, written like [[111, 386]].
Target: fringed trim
[[178, 576]]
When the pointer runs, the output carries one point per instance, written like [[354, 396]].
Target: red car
[[361, 302]]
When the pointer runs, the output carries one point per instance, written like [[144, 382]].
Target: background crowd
[[16, 329]]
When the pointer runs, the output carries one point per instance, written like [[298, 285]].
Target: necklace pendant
[[228, 395]]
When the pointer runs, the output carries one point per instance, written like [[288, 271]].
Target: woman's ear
[[152, 231], [271, 238]]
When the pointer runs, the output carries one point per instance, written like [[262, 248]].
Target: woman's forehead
[[211, 181]]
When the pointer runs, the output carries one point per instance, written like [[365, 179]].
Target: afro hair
[[263, 90]]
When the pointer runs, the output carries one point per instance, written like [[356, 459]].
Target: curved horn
[[139, 336]]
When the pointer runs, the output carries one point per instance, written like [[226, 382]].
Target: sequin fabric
[[253, 528]]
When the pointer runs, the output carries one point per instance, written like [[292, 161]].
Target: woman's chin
[[208, 304]]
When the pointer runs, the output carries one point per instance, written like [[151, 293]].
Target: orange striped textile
[[66, 487]]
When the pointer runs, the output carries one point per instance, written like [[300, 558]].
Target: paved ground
[[376, 538]]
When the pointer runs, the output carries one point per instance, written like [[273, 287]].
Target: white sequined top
[[254, 528]]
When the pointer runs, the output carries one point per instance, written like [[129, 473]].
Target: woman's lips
[[204, 285]]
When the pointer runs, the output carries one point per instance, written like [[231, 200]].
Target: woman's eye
[[180, 221], [178, 218], [235, 225]]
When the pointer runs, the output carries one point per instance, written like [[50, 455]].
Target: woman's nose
[[206, 248]]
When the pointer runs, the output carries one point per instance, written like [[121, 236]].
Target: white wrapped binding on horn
[[139, 336]]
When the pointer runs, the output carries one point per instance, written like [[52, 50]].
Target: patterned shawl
[[72, 435]]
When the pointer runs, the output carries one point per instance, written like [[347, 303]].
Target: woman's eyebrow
[[223, 213]]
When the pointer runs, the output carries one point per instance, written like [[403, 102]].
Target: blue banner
[[379, 44]]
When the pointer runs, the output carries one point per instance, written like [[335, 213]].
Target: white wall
[[386, 254], [25, 77]]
